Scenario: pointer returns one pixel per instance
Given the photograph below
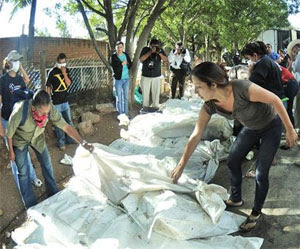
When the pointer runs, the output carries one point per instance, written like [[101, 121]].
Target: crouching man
[[37, 113]]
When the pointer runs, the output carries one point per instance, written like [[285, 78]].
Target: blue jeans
[[14, 168], [61, 137], [269, 138], [24, 179], [122, 89]]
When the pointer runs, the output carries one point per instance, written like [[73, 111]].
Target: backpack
[[186, 67], [22, 95]]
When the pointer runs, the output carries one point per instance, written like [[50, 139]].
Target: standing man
[[10, 82], [176, 58], [151, 58], [39, 111], [58, 83], [272, 54], [121, 63]]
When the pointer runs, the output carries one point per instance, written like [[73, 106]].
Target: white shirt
[[296, 67], [176, 59]]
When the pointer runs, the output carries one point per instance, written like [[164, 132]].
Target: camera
[[183, 50], [157, 49]]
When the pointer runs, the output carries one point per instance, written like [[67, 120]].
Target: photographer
[[151, 72], [176, 58]]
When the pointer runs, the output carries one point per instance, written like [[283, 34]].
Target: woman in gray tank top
[[262, 114]]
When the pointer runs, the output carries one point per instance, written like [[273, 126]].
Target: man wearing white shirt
[[176, 58]]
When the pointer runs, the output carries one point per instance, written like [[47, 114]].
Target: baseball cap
[[14, 56]]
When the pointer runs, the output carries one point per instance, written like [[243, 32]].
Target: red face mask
[[39, 120]]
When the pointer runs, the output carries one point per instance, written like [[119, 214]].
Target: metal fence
[[86, 73]]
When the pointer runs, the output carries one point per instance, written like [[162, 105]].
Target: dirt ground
[[280, 226]]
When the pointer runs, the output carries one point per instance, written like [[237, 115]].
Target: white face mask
[[15, 66], [60, 65]]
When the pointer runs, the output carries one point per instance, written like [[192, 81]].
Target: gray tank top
[[253, 115]]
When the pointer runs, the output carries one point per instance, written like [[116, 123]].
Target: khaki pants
[[148, 83]]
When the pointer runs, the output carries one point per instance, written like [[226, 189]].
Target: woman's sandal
[[230, 203], [248, 221]]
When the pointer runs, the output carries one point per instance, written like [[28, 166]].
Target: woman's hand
[[176, 173], [291, 137]]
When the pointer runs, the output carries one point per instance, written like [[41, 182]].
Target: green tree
[[61, 23], [20, 4], [211, 26], [116, 19]]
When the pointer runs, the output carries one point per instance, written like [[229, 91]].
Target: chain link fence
[[86, 73]]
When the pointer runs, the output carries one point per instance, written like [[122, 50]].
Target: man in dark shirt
[[58, 83], [151, 72]]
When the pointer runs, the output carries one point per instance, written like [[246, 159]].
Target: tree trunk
[[87, 24], [130, 30], [111, 27], [207, 48], [31, 32], [219, 54], [155, 13]]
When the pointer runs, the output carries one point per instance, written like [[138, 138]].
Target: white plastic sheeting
[[117, 176], [202, 164], [122, 196], [161, 214], [178, 119], [166, 134]]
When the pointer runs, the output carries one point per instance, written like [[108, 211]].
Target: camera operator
[[151, 58], [176, 57]]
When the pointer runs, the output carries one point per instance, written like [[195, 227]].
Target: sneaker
[[62, 148], [37, 183]]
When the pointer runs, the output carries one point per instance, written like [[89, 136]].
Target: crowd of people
[[261, 105]]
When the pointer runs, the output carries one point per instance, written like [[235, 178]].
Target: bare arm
[[145, 56], [66, 77], [11, 152], [163, 57], [48, 90], [73, 133], [259, 94], [25, 75], [192, 143]]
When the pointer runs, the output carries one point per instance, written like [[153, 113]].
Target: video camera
[[183, 50]]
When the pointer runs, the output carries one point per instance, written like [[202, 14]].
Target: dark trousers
[[290, 91], [270, 139], [178, 76]]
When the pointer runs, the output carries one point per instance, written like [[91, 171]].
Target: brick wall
[[73, 48]]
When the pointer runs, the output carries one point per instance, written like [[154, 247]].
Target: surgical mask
[[15, 66], [60, 65]]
